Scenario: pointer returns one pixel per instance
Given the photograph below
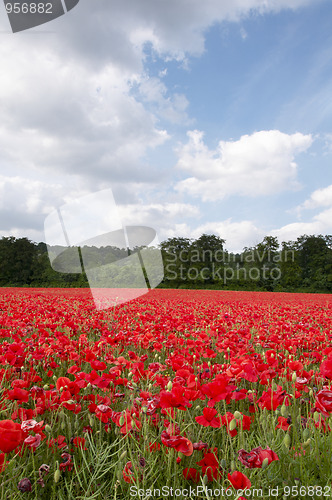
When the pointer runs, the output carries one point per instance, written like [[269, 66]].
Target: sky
[[202, 117]]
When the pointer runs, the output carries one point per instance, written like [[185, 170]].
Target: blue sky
[[202, 117]]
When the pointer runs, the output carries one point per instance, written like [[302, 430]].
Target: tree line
[[303, 265]]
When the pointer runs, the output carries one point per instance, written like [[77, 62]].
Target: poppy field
[[176, 394]]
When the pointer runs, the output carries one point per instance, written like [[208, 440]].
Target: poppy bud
[[24, 485], [121, 421], [46, 387], [233, 465], [284, 411], [265, 463], [205, 480], [57, 476], [48, 428], [238, 415], [311, 393], [294, 377], [57, 473], [133, 424], [287, 440], [223, 463], [123, 454], [169, 386], [233, 424], [274, 386], [306, 443], [316, 417], [130, 374]]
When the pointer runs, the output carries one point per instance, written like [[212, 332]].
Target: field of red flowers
[[177, 394]]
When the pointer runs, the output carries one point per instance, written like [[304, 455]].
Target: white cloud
[[320, 224], [177, 27], [256, 165], [319, 198], [173, 108], [63, 117], [160, 216], [30, 196], [237, 234]]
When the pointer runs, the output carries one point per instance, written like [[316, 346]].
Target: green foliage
[[301, 265]]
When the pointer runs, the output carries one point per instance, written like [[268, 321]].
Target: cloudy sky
[[202, 117]]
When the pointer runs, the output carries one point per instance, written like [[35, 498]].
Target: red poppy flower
[[11, 435], [323, 402], [79, 442], [282, 424], [31, 425], [218, 390], [209, 419], [200, 446], [239, 480], [66, 462], [255, 457], [59, 442], [191, 474], [103, 413], [210, 466], [98, 365], [18, 394], [128, 473], [33, 441], [174, 399], [326, 368], [62, 382], [179, 443], [272, 399]]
